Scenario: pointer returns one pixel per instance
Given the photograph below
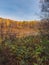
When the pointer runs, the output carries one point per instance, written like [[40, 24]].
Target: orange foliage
[[20, 28]]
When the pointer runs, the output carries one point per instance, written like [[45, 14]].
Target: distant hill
[[22, 28]]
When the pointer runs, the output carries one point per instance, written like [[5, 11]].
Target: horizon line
[[19, 19]]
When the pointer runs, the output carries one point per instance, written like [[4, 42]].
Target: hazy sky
[[20, 9]]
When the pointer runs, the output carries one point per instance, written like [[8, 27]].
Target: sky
[[20, 9]]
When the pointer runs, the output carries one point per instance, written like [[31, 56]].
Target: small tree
[[45, 9]]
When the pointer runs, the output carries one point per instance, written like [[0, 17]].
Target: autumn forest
[[24, 42]]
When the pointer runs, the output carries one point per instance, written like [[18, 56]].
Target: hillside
[[22, 28], [24, 42], [18, 28]]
